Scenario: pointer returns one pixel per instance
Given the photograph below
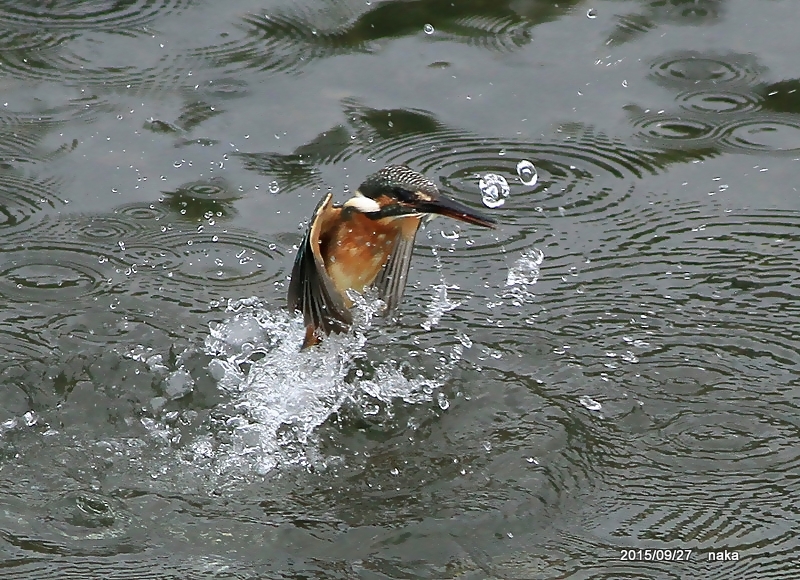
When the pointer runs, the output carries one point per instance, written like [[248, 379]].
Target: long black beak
[[451, 208]]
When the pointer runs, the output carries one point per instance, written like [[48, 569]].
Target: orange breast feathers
[[356, 248]]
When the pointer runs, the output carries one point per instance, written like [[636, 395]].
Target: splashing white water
[[279, 396], [439, 305], [522, 276], [526, 269]]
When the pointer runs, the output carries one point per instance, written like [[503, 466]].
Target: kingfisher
[[365, 243]]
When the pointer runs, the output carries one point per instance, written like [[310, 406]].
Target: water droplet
[[487, 445], [590, 403], [428, 28], [395, 471], [452, 235], [591, 13], [494, 189], [30, 418], [625, 84], [444, 404], [274, 187], [527, 173]]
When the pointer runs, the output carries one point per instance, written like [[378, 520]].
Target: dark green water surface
[[614, 368]]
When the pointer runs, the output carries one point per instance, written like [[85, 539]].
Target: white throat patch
[[363, 204]]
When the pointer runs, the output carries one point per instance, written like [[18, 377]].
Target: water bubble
[[395, 471], [494, 190], [590, 403], [441, 399], [428, 28], [591, 13], [274, 187], [527, 173]]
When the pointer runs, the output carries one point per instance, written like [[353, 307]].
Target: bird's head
[[397, 191]]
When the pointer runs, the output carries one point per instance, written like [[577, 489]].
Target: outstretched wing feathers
[[311, 291], [391, 281]]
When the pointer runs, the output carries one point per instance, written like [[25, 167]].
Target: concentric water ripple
[[503, 33], [145, 214], [77, 15], [681, 132], [768, 133], [213, 259], [281, 43], [66, 63], [713, 102], [21, 198], [692, 12], [200, 199], [45, 274], [694, 70]]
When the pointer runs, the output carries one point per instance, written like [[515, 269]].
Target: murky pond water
[[611, 371]]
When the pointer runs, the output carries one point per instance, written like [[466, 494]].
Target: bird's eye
[[405, 195]]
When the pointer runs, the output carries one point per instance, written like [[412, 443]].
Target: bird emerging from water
[[365, 243]]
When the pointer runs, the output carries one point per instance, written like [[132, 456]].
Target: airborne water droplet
[[274, 187], [494, 190], [591, 13], [428, 28], [527, 173]]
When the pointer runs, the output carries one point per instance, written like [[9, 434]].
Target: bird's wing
[[391, 281], [311, 290]]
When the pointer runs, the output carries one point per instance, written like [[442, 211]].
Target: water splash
[[590, 403], [526, 171], [525, 270], [521, 276], [278, 396], [494, 190], [439, 304]]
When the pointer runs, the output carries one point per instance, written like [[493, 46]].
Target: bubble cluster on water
[[494, 190]]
